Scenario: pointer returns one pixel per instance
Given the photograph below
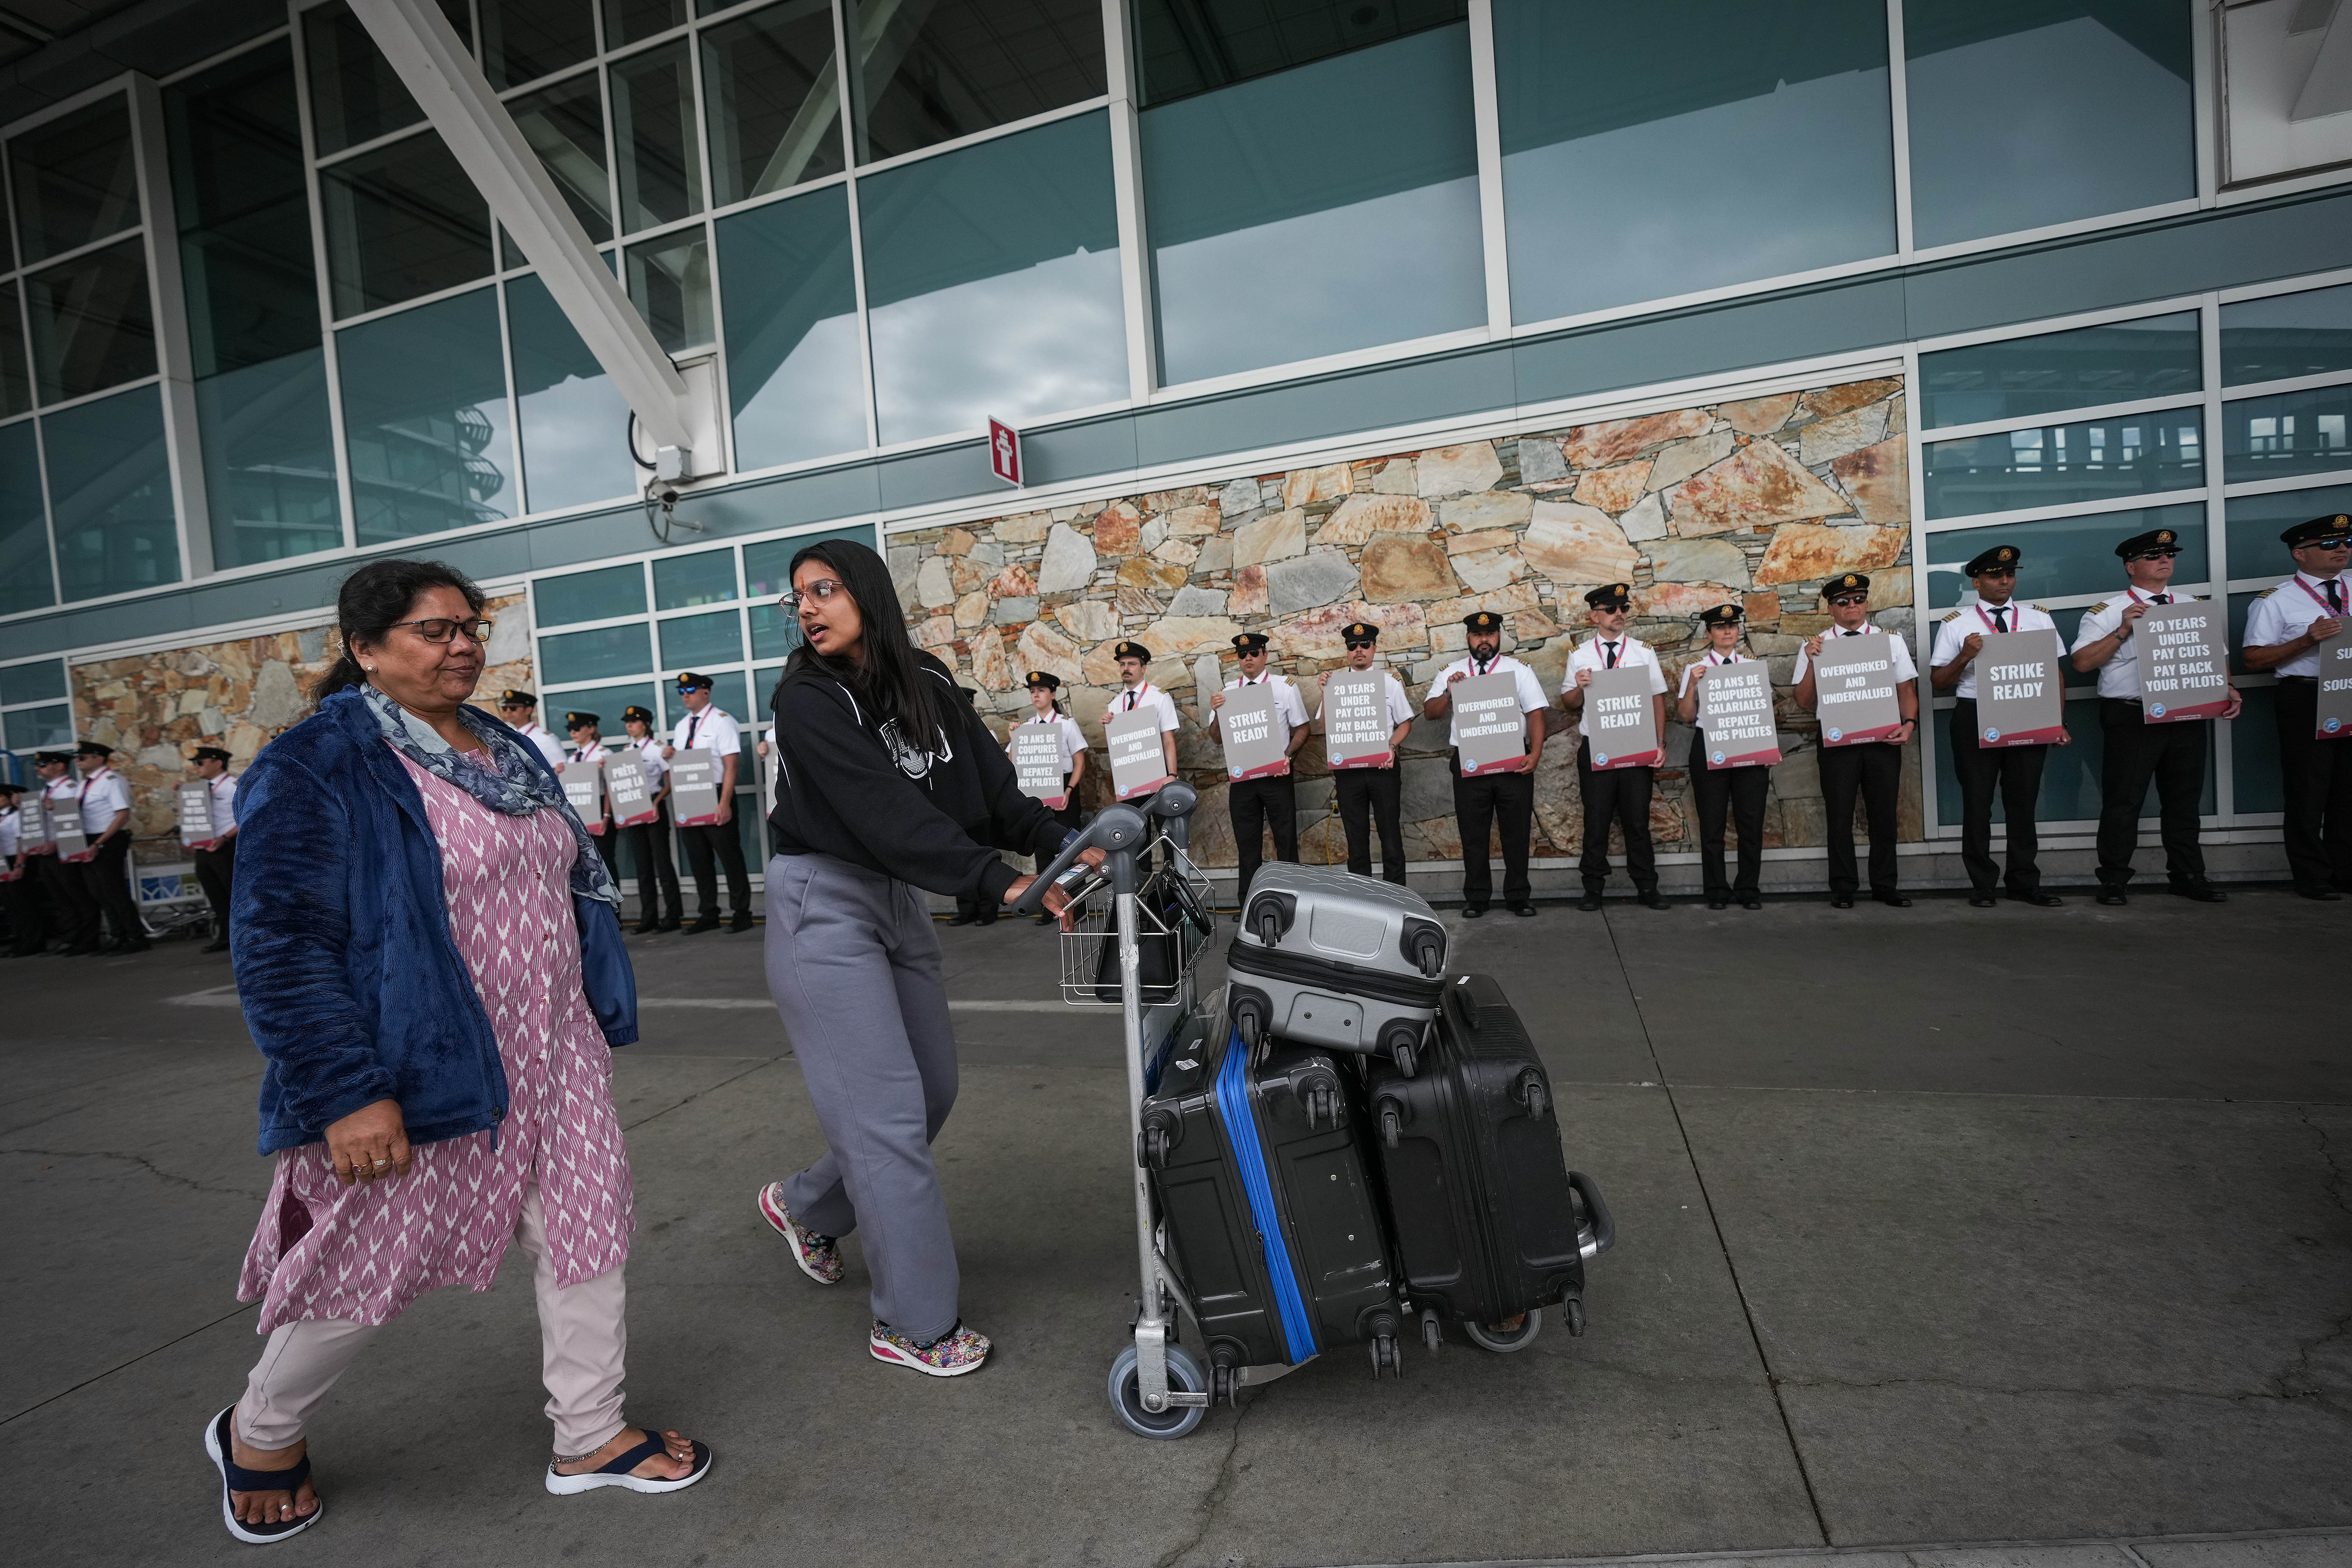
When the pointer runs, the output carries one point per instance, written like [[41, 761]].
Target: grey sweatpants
[[854, 965]]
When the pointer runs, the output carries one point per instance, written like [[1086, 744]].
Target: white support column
[[1127, 189], [181, 445], [682, 419], [1486, 108]]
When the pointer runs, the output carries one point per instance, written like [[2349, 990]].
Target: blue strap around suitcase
[[1249, 1156]]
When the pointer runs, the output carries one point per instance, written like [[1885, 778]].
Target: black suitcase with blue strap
[[1270, 1218]]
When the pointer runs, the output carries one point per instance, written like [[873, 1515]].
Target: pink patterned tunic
[[364, 1253]]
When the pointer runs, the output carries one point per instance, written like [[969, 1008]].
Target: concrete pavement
[[1939, 1226]]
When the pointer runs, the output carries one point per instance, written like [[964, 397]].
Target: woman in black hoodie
[[887, 786]]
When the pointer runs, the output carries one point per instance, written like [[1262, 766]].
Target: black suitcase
[[1272, 1223], [1490, 1224]]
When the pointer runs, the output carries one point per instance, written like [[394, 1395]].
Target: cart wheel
[[1126, 1395], [1503, 1342], [1431, 1334], [1571, 1312], [1391, 1128]]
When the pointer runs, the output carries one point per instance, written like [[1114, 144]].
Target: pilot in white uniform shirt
[[1898, 656], [224, 793], [2280, 616], [1986, 620], [712, 730], [1531, 690], [1287, 702], [103, 796], [1613, 653]]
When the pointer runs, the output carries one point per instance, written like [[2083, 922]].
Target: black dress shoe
[[1470, 911], [1591, 902], [744, 922], [1751, 902], [675, 923], [1892, 900], [1842, 902], [2204, 892], [2038, 899], [707, 922], [2321, 892], [1981, 900], [1522, 908], [2112, 896], [1715, 903], [1651, 898], [645, 928]]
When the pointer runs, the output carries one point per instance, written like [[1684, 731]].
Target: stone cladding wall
[[1757, 500]]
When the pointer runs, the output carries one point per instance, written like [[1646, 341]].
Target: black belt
[[2298, 680]]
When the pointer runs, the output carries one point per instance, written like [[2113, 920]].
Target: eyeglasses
[[440, 630], [1848, 601], [2166, 554], [822, 591]]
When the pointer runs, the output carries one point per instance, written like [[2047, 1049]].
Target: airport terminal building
[[1306, 310]]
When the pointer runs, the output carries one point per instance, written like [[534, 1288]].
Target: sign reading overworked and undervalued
[[1137, 766], [1854, 689], [1489, 731], [1735, 716], [2184, 668]]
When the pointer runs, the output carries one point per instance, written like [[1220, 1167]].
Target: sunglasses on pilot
[[1850, 600]]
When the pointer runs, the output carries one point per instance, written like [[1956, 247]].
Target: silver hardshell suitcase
[[1327, 958]]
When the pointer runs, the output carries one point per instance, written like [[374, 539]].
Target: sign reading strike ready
[[1621, 719], [1854, 689], [1255, 736], [583, 786], [1038, 764], [1137, 766], [2184, 670], [2020, 701], [1735, 715], [1355, 719], [1490, 733]]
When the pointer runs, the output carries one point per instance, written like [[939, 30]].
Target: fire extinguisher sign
[[1004, 451]]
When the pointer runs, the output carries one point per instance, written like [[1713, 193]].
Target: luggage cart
[[1156, 1386]]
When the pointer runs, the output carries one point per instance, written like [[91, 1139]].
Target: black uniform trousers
[[71, 906], [20, 896], [1620, 795], [2317, 776], [105, 875], [1368, 795], [2136, 753], [1874, 769], [1067, 817], [1257, 804], [1739, 793], [657, 869], [1480, 803], [720, 842], [2015, 773], [216, 873]]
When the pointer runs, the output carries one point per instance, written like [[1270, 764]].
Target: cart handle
[[1118, 831]]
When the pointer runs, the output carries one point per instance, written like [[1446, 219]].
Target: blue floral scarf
[[513, 787]]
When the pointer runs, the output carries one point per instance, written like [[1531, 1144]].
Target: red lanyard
[[1713, 658], [82, 798], [2018, 615], [2315, 597]]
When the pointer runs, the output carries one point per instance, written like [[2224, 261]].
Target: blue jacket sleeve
[[290, 929]]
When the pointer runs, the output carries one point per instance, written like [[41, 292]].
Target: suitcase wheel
[[1572, 1314], [1404, 1056], [1431, 1334], [1531, 1092], [1505, 1340], [1386, 1360], [1392, 1130], [1126, 1395]]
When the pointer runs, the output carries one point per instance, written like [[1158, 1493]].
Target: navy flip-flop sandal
[[616, 1474], [236, 1478]]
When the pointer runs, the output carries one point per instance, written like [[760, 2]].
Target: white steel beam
[[450, 88]]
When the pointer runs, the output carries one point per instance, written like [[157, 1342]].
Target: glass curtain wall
[[35, 715]]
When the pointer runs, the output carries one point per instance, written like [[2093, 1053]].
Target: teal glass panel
[[767, 567], [1660, 89], [2254, 752], [355, 95], [952, 68], [1367, 163], [606, 701], [775, 106], [682, 581], [597, 595], [993, 283], [775, 631], [2122, 362], [2030, 112], [1183, 47], [25, 582], [764, 680], [2071, 779], [670, 283], [2293, 433], [565, 126], [270, 460], [2255, 523], [575, 423], [633, 21], [2060, 464], [33, 682], [92, 325], [608, 653], [424, 416], [403, 221], [41, 729], [2286, 335], [654, 137], [523, 40], [2062, 556], [2240, 604], [76, 179], [245, 262], [16, 373], [692, 642], [793, 373], [110, 496]]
